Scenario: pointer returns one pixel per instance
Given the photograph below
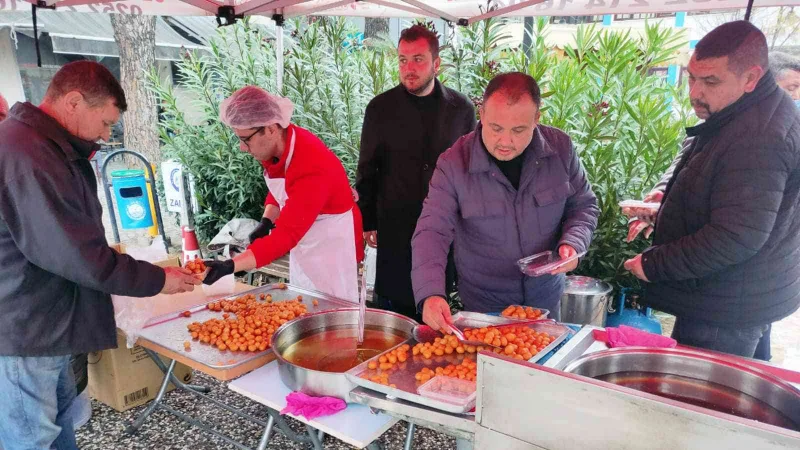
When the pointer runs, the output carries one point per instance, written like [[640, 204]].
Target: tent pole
[[749, 10], [279, 51]]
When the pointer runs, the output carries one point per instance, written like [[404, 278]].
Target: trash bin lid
[[577, 285], [127, 173]]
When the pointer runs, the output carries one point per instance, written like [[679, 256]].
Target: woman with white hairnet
[[309, 212]]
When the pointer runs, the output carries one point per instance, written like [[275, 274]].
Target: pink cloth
[[300, 404], [625, 336]]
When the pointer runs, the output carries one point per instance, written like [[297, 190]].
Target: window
[[575, 20]]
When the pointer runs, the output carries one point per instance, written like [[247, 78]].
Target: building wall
[[10, 81]]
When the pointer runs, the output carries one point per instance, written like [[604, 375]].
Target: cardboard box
[[124, 378], [172, 261]]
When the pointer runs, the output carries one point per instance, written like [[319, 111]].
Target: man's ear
[[71, 100], [436, 63], [753, 76]]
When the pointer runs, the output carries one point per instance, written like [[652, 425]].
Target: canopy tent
[[462, 12]]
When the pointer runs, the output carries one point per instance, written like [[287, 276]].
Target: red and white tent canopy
[[456, 11]]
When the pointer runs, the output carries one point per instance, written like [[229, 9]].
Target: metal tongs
[[362, 304]]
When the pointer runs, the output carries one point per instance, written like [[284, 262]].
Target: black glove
[[217, 270], [262, 229]]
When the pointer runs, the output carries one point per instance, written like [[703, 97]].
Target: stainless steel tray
[[170, 330], [403, 376]]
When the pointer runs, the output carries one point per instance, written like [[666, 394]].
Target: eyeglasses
[[247, 139]]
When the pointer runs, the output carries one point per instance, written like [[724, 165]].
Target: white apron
[[325, 258]]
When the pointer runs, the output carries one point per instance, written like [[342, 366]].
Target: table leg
[[410, 436], [315, 441], [262, 444], [375, 445], [134, 427], [178, 383], [321, 435]]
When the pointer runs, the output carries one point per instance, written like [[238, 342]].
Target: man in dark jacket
[[725, 254], [510, 189], [405, 130], [58, 269]]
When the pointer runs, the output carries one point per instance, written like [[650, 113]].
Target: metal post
[[262, 444], [279, 54], [749, 10], [410, 436], [315, 441], [150, 178], [134, 427]]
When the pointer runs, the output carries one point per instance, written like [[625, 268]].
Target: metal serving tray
[[403, 375], [170, 330]]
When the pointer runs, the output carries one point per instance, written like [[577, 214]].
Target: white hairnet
[[253, 107]]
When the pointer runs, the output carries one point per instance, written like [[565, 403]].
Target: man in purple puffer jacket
[[510, 189]]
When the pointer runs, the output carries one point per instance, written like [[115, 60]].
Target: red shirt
[[316, 183]]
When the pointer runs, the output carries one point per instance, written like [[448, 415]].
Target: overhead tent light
[[228, 15]]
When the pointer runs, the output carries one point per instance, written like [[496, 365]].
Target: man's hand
[[179, 280], [372, 238], [217, 270], [262, 229], [637, 226], [634, 265], [654, 197], [566, 251], [436, 314]]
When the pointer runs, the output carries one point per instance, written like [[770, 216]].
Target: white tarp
[[448, 9]]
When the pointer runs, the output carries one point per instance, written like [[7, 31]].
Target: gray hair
[[779, 63]]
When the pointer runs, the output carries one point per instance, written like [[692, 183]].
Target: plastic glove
[[217, 270], [262, 229]]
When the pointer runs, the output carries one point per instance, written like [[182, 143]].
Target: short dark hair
[[741, 41], [781, 62], [417, 32], [514, 85], [92, 79]]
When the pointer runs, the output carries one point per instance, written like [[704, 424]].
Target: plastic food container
[[544, 263], [454, 391], [638, 204]]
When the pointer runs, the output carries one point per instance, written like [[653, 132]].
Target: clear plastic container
[[454, 391], [638, 204], [544, 263]]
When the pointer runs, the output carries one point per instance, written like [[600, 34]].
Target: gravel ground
[[105, 430]]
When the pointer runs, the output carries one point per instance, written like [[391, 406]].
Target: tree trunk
[[375, 27], [136, 39]]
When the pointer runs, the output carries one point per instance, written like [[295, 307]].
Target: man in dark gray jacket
[[510, 189], [58, 269], [724, 259]]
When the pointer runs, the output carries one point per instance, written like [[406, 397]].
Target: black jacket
[[727, 240], [394, 169], [57, 267]]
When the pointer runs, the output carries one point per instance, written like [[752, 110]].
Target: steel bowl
[[331, 384], [701, 379]]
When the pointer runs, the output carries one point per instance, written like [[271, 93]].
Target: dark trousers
[[740, 341], [763, 349]]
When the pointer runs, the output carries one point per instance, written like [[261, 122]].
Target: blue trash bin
[[130, 190]]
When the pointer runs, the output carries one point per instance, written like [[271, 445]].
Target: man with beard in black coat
[[405, 130]]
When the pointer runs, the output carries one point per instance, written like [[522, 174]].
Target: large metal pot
[[319, 383], [701, 379], [585, 301]]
